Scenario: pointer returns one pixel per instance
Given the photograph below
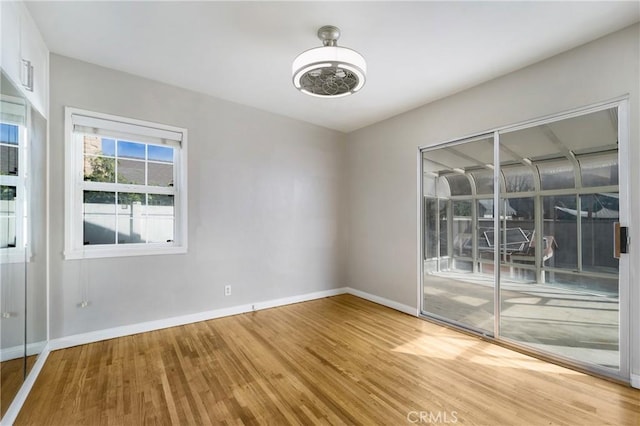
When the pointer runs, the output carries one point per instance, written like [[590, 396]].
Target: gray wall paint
[[266, 210], [264, 205], [383, 170]]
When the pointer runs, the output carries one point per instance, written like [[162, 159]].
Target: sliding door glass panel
[[518, 242], [599, 214], [559, 284], [462, 231], [485, 238], [599, 170], [458, 280], [483, 181], [458, 184], [431, 239], [557, 174], [443, 234], [560, 227], [519, 178]]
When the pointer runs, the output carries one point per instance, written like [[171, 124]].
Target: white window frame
[[22, 251], [137, 130]]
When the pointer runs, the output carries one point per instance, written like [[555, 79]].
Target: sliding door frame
[[621, 104]]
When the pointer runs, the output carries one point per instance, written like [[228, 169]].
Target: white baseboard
[[127, 330], [12, 412], [386, 302], [96, 336], [15, 352], [635, 381]]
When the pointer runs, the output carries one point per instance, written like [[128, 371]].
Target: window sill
[[96, 252]]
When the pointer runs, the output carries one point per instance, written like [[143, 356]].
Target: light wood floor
[[339, 360], [12, 375], [11, 378]]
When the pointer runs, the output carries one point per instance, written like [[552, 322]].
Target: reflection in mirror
[[36, 267], [13, 134], [23, 327]]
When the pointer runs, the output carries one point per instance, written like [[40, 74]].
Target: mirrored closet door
[[23, 312]]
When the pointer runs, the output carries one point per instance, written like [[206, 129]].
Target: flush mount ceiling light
[[329, 71]]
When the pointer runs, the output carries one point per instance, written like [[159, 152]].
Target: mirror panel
[[23, 313]]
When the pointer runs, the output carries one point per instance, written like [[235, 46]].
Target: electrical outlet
[[227, 290]]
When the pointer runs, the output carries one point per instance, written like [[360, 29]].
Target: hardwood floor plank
[[339, 360]]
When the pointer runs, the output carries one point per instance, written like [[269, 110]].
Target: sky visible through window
[[136, 150], [8, 133]]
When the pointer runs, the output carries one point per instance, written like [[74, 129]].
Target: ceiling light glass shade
[[329, 71]]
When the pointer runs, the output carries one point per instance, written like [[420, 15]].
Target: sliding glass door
[[458, 258], [560, 289], [557, 286]]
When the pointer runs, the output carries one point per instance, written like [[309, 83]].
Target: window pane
[[122, 178], [160, 153], [518, 179], [556, 175], [462, 228], [131, 171], [459, 184], [7, 216], [9, 160], [599, 170], [95, 145], [444, 211], [99, 217], [484, 181], [8, 233], [160, 218], [431, 230], [8, 193], [160, 174], [131, 150], [485, 229], [99, 169], [560, 226], [9, 134], [599, 213], [429, 185], [131, 219]]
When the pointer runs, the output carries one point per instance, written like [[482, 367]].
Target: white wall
[[264, 206], [383, 169]]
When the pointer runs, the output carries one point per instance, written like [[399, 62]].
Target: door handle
[[620, 240]]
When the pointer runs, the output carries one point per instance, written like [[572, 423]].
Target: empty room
[[358, 213]]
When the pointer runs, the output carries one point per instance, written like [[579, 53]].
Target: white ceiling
[[416, 52]]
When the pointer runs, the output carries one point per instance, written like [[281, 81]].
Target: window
[[13, 179], [127, 192]]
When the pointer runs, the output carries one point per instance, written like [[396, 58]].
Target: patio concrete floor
[[577, 324]]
